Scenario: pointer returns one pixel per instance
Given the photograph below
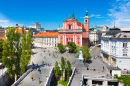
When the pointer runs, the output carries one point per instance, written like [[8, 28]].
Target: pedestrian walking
[[92, 68], [32, 77], [46, 75], [78, 71], [39, 80], [102, 70], [98, 70], [87, 68], [103, 67]]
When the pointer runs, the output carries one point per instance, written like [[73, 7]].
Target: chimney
[[16, 24]]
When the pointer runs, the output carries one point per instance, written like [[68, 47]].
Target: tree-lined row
[[16, 51]]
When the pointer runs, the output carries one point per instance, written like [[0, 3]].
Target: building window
[[67, 39], [69, 26], [78, 41], [85, 20], [71, 39], [124, 52], [61, 39], [125, 45]]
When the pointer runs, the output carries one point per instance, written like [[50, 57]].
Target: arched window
[[69, 26]]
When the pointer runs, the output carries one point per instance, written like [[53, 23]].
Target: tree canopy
[[68, 69], [72, 47], [61, 47], [86, 54], [124, 79], [15, 49], [56, 69], [1, 48]]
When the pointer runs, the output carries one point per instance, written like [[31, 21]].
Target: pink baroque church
[[74, 31]]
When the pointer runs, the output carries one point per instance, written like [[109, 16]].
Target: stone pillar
[[105, 83], [73, 37], [81, 39], [65, 39], [90, 82]]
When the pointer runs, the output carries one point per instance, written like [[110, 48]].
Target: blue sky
[[51, 13]]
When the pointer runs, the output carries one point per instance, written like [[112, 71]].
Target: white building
[[37, 25], [104, 30], [94, 35], [46, 39], [115, 48]]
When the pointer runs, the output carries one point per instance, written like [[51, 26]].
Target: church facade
[[74, 31]]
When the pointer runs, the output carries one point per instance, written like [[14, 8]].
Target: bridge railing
[[22, 77], [72, 75], [99, 77], [49, 78]]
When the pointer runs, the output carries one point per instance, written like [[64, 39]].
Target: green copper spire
[[86, 16], [70, 16], [73, 16]]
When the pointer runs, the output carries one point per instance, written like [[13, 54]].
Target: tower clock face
[[85, 20]]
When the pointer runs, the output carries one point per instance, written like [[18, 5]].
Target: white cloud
[[108, 20], [4, 20], [126, 20], [120, 13], [96, 16], [30, 26]]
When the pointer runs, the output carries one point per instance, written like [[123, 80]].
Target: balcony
[[70, 30]]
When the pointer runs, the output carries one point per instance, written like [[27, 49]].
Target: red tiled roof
[[90, 30], [20, 31], [100, 31], [46, 34], [2, 33], [79, 24]]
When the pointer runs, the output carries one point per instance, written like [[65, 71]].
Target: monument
[[80, 56]]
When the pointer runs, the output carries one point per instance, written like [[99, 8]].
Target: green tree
[[56, 69], [9, 51], [26, 50], [1, 48], [124, 79], [72, 47], [61, 47], [85, 52], [68, 69], [18, 50], [77, 49], [63, 64]]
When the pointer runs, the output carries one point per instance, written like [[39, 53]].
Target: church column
[[81, 39], [65, 38], [73, 37]]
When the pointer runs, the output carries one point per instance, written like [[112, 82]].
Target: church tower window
[[69, 26]]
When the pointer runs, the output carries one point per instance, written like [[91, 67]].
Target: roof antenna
[[114, 24]]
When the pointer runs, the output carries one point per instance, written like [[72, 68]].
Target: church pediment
[[70, 20]]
